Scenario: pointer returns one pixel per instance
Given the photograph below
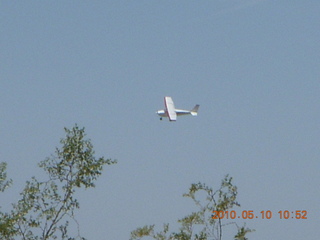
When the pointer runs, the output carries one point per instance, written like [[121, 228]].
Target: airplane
[[171, 112]]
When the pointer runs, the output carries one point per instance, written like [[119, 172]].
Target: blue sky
[[253, 66]]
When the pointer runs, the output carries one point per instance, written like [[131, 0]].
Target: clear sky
[[252, 65]]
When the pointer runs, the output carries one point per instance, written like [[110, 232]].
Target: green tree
[[4, 183], [200, 225], [47, 207]]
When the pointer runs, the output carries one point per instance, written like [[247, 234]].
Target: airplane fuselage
[[179, 112]]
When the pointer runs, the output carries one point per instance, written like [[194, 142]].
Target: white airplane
[[171, 112]]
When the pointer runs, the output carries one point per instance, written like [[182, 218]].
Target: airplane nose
[[159, 112]]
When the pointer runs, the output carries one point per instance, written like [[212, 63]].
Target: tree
[[47, 207], [4, 183], [208, 227]]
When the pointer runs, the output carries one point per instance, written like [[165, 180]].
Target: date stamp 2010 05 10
[[250, 214]]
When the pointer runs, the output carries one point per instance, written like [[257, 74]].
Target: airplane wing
[[170, 109]]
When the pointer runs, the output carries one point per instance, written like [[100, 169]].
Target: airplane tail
[[194, 111]]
